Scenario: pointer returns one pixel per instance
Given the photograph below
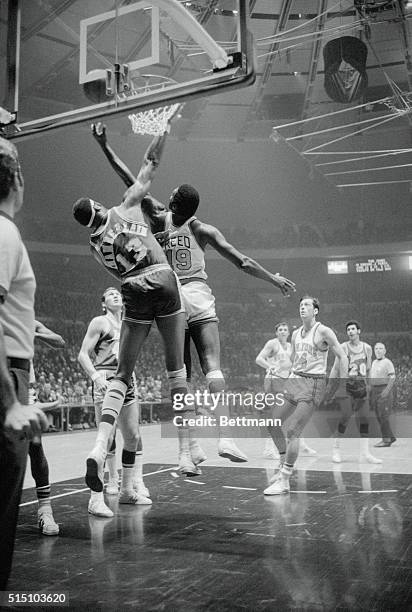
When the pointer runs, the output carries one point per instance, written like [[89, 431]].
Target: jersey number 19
[[180, 259]]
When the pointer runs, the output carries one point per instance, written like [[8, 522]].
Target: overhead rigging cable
[[352, 159], [375, 183], [391, 118], [337, 127]]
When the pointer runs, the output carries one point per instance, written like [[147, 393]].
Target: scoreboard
[[366, 264]]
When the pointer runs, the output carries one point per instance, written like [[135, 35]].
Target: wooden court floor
[[342, 540]]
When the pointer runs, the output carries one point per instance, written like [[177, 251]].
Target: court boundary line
[[36, 501]]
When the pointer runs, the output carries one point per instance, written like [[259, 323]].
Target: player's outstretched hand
[[177, 112], [284, 284], [28, 420], [99, 132]]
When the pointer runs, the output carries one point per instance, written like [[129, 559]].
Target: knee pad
[[128, 457], [364, 430], [215, 381]]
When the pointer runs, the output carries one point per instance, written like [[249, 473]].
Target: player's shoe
[[132, 497], [186, 466], [140, 487], [277, 474], [304, 449], [112, 487], [279, 487], [385, 443], [336, 456], [47, 524], [270, 450], [97, 507], [369, 458], [197, 453], [228, 449], [94, 473], [270, 453]]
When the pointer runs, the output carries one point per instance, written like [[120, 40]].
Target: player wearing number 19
[[185, 240], [124, 244]]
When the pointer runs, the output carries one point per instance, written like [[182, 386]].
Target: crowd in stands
[[244, 330], [289, 236]]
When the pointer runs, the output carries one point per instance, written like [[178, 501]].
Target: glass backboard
[[68, 61]]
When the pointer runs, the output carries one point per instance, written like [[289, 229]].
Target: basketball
[[95, 87]]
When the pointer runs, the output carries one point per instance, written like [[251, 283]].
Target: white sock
[[138, 468], [111, 463]]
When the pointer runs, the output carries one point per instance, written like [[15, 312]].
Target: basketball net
[[153, 121]]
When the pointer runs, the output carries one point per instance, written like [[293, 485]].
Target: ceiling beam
[[267, 69], [405, 42], [314, 60]]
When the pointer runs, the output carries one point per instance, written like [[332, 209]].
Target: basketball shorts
[[98, 396], [275, 384], [343, 396], [307, 389], [199, 303], [152, 294]]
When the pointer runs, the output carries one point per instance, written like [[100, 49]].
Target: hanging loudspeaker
[[345, 68]]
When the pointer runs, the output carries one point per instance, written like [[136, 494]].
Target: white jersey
[[280, 364], [309, 359], [183, 252]]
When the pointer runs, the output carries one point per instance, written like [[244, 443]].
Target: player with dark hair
[[101, 343], [185, 239], [352, 394], [123, 243], [306, 384]]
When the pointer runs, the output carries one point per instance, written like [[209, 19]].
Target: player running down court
[[101, 343], [185, 240], [352, 394], [275, 359], [306, 384], [123, 243]]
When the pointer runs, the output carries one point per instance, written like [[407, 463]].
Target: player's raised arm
[[150, 163], [99, 133], [212, 236], [47, 336], [93, 334]]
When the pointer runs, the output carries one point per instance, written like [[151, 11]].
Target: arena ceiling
[[289, 41]]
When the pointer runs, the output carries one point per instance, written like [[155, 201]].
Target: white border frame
[[134, 65]]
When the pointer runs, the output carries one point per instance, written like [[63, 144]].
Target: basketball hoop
[[153, 121]]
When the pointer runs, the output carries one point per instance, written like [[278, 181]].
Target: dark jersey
[[125, 247], [107, 349], [358, 361]]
